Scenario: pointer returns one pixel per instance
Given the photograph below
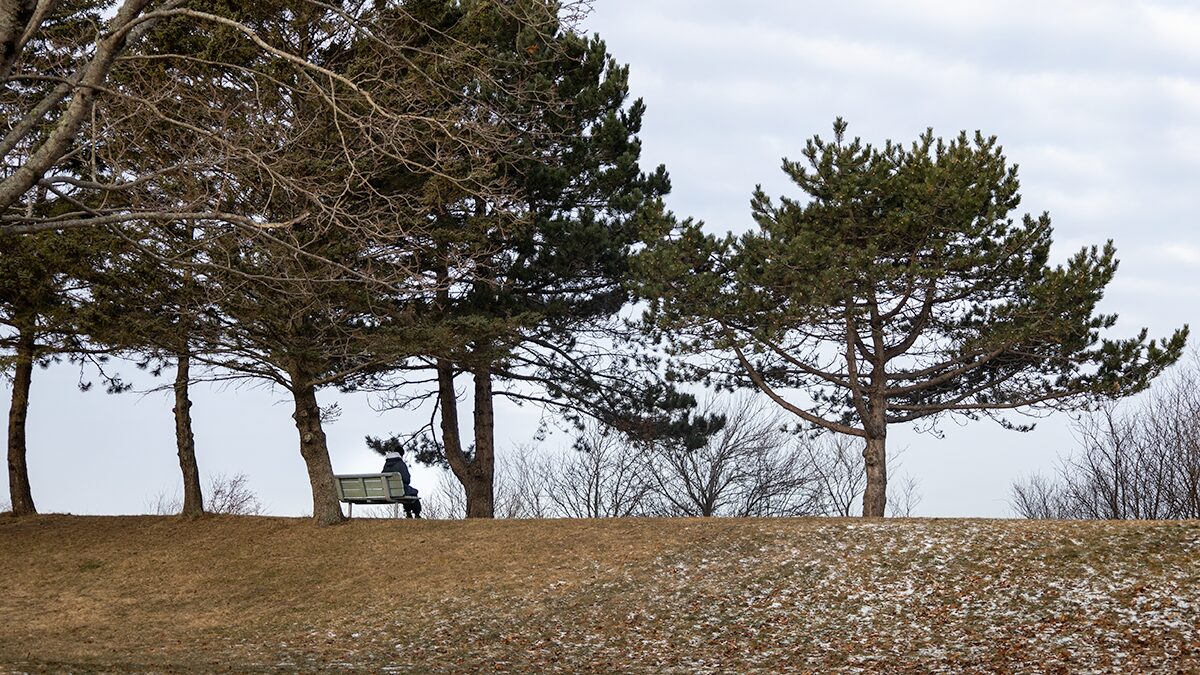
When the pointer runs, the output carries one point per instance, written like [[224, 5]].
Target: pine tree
[[39, 321], [898, 290], [536, 279], [147, 302], [310, 287]]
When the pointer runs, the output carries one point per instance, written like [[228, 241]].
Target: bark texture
[[476, 473], [875, 494], [313, 448]]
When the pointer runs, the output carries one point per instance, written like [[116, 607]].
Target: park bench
[[372, 488]]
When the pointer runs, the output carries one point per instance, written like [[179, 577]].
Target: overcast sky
[[1097, 101]]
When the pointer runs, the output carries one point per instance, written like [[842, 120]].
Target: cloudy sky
[[1097, 101]]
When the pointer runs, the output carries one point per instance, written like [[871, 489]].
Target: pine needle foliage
[[898, 288]]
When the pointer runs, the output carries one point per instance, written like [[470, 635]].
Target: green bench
[[372, 488]]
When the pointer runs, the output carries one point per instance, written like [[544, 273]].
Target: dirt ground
[[252, 594]]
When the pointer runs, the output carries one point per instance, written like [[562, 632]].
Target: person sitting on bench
[[393, 462]]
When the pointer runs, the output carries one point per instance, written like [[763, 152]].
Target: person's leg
[[413, 509]]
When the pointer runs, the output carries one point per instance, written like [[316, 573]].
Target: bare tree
[[526, 486], [1170, 425], [605, 476], [522, 484], [749, 468], [523, 488], [835, 462], [837, 472], [165, 503], [446, 500], [1137, 462], [232, 495], [227, 494], [905, 499], [1039, 497], [601, 477], [752, 467]]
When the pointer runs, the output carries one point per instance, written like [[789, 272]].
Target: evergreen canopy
[[900, 289]]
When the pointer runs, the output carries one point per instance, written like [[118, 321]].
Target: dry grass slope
[[248, 594]]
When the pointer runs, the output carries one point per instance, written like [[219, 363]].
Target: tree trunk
[[476, 474], [15, 19], [326, 508], [185, 441], [875, 494], [18, 470], [460, 464], [481, 498]]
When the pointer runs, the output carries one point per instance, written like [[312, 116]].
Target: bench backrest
[[370, 488]]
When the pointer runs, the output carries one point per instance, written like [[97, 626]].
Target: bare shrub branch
[[1136, 462]]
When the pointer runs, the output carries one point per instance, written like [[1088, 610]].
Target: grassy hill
[[239, 594]]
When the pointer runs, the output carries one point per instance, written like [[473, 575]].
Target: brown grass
[[245, 594]]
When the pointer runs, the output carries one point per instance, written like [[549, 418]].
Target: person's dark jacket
[[397, 465]]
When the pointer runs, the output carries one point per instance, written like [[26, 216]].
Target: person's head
[[392, 454]]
